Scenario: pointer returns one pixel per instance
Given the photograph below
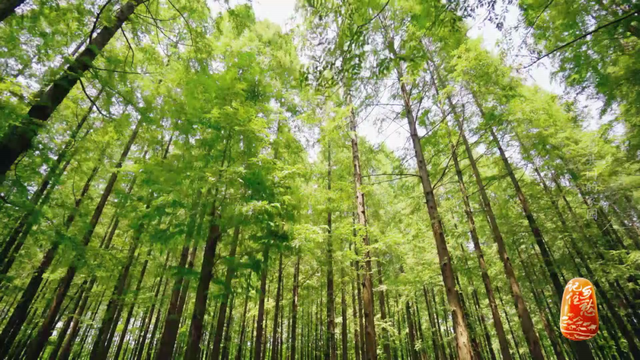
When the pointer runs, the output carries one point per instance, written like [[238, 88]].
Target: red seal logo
[[579, 313]]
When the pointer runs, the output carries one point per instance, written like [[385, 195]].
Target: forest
[[183, 179]]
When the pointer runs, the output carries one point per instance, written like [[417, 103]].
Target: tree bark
[[357, 323], [463, 343], [19, 314], [274, 334], [65, 351], [228, 329], [330, 345], [367, 284], [411, 331], [206, 272], [581, 347], [241, 341], [40, 197], [62, 334], [497, 321], [17, 140], [172, 319], [99, 350], [123, 335], [263, 292], [294, 308], [63, 288], [386, 345], [217, 340], [528, 328], [435, 332], [343, 306]]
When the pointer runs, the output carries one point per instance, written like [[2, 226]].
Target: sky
[[393, 134]]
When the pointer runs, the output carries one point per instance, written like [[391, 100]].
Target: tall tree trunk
[[206, 270], [386, 344], [65, 351], [100, 350], [551, 333], [412, 332], [497, 321], [217, 340], [367, 284], [156, 323], [125, 328], [330, 345], [67, 323], [343, 306], [19, 314], [241, 341], [13, 244], [172, 319], [146, 325], [63, 288], [463, 343], [274, 334], [357, 323], [294, 308], [17, 139], [228, 329], [258, 352], [363, 347], [528, 328], [581, 347], [435, 332]]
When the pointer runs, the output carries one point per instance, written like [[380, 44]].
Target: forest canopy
[[187, 180]]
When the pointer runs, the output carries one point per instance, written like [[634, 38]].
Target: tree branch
[[583, 36]]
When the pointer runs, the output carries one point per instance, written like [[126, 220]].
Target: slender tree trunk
[[294, 308], [172, 319], [227, 333], [67, 323], [17, 140], [206, 272], [123, 335], [65, 351], [217, 340], [40, 197], [258, 352], [156, 323], [581, 347], [435, 332], [47, 326], [483, 324], [357, 323], [462, 333], [343, 306], [412, 332], [330, 346], [551, 333], [386, 345], [367, 284], [497, 321], [241, 341], [363, 348], [528, 328], [149, 316], [100, 350], [19, 314], [274, 334]]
